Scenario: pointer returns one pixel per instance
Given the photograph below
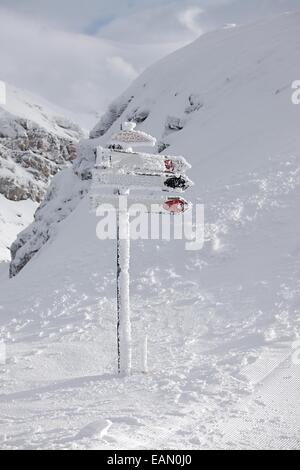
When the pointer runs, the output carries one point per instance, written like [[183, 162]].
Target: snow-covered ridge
[[219, 69], [224, 102]]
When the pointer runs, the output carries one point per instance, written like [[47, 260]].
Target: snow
[[61, 199], [14, 217], [142, 163], [129, 137], [221, 322], [96, 430]]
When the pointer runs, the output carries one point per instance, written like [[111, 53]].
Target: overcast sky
[[81, 55]]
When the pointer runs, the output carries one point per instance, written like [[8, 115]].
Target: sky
[[82, 55]]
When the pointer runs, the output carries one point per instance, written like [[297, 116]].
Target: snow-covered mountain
[[36, 140], [189, 94], [223, 322]]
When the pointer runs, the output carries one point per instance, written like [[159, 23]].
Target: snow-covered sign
[[120, 170], [140, 171], [129, 137], [134, 162]]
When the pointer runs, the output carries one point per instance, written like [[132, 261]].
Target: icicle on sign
[[122, 169]]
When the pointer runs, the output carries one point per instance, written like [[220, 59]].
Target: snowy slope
[[14, 217], [221, 322]]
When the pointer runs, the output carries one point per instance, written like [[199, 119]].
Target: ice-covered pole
[[123, 300], [128, 137], [145, 355]]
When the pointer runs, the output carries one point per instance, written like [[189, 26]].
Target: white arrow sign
[[140, 163]]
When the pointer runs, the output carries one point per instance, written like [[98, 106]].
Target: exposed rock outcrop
[[29, 156], [35, 143]]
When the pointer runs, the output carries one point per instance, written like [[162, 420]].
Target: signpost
[[122, 170]]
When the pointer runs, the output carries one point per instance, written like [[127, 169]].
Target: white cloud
[[82, 57], [121, 67], [152, 25], [74, 15], [81, 72], [76, 71], [189, 18]]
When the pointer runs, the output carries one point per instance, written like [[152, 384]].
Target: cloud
[[73, 15], [76, 71], [83, 57], [155, 25], [189, 18], [121, 67]]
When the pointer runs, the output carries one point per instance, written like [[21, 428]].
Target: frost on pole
[[2, 93], [123, 300]]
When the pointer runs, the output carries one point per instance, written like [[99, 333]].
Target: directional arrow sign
[[151, 205], [140, 163], [156, 182]]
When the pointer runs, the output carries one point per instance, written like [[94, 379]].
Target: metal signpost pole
[[123, 299]]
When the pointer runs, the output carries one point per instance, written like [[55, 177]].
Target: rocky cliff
[[36, 141]]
